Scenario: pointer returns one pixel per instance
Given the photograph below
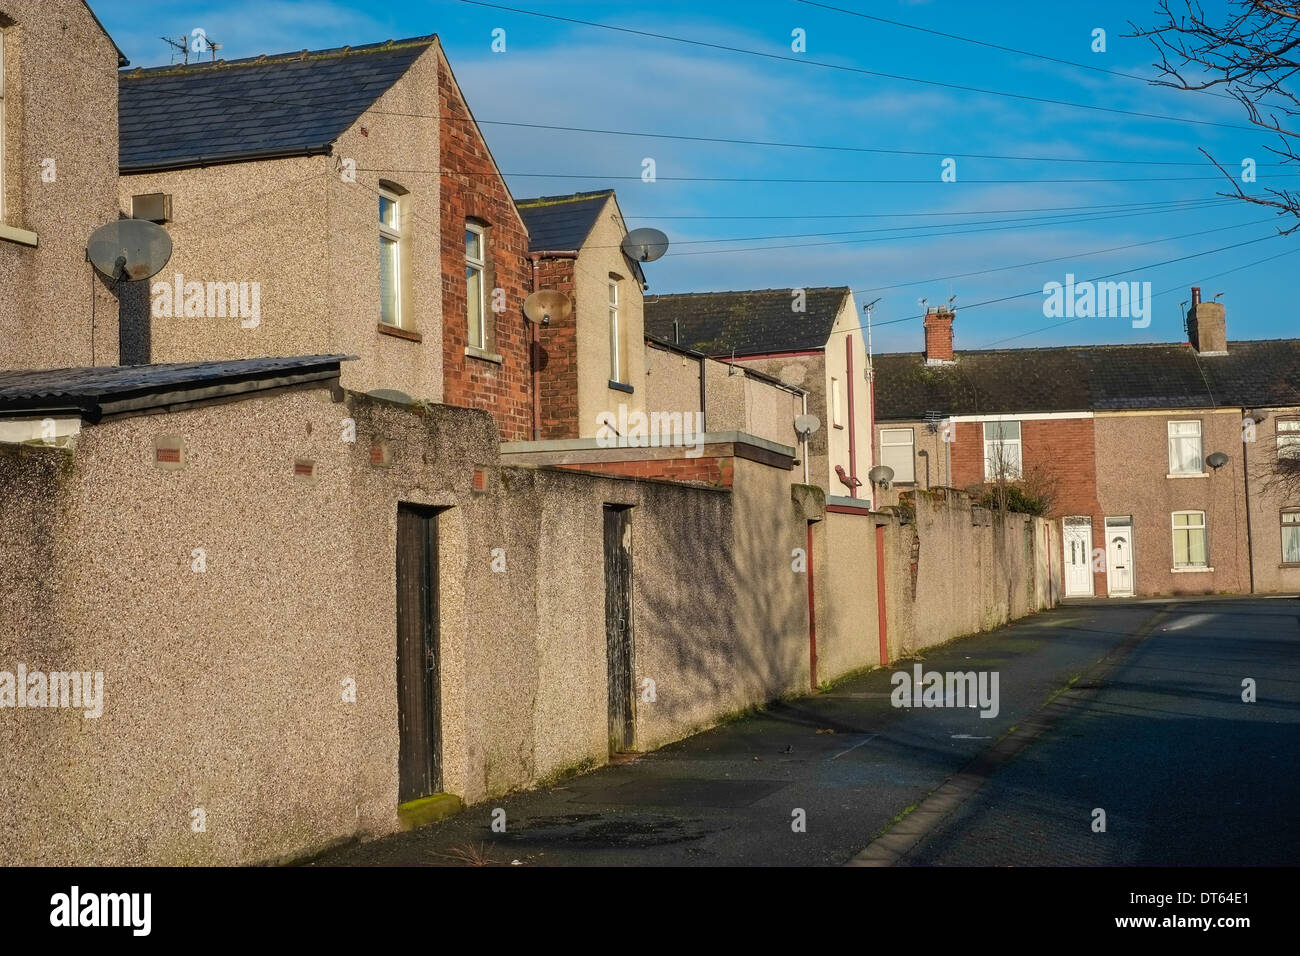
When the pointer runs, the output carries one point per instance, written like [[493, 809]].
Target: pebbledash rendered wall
[[952, 569], [224, 688]]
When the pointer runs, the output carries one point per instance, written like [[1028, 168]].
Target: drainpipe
[[1245, 474], [536, 362], [853, 424], [704, 392], [805, 442]]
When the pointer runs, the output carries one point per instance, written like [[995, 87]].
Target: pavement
[[1130, 707]]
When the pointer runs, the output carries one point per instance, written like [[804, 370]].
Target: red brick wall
[[473, 188], [558, 380], [717, 472], [1063, 448]]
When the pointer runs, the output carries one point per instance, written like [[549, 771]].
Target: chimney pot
[[1207, 325], [1196, 295]]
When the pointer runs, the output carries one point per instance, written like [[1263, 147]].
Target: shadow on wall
[[720, 616], [133, 321]]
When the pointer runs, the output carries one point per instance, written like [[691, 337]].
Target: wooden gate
[[418, 707], [618, 625]]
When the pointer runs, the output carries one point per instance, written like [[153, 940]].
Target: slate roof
[[563, 223], [1088, 378], [106, 389], [290, 104], [748, 323]]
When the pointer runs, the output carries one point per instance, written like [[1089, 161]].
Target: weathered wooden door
[[418, 708], [618, 625]]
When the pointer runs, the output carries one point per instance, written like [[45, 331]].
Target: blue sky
[[564, 74]]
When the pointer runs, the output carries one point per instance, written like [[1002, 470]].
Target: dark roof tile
[[259, 107], [746, 323]]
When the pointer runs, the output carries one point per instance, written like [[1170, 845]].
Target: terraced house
[[353, 189], [1165, 465]]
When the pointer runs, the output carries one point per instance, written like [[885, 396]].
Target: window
[[1002, 458], [475, 284], [1288, 443], [615, 338], [1291, 537], [1189, 539], [1185, 448], [835, 404], [390, 258], [896, 452]]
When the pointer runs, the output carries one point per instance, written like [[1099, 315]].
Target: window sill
[[400, 333], [620, 387], [21, 236], [1190, 570], [840, 427], [1293, 564], [483, 354], [1199, 474]]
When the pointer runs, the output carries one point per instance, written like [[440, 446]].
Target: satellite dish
[[881, 475], [1217, 460], [546, 304], [129, 249], [805, 425], [644, 245]]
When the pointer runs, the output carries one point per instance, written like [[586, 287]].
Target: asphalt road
[[1133, 708]]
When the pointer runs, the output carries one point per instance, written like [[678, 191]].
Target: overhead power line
[[862, 71]]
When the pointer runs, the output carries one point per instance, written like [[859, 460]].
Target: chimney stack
[[1207, 325], [938, 336]]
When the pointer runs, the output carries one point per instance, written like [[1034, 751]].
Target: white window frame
[[615, 364], [1002, 443], [393, 234], [1200, 446], [837, 420], [1292, 439], [478, 264], [1285, 525], [1205, 539], [910, 444]]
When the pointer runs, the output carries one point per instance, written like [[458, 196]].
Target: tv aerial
[[128, 250], [546, 304], [644, 245]]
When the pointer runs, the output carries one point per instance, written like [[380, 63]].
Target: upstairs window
[[896, 452], [615, 335], [1288, 443], [837, 419], [391, 254], [1002, 453], [476, 284], [1185, 448]]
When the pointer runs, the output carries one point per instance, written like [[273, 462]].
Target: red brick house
[[1125, 442], [395, 237]]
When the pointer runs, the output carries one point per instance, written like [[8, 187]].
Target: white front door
[[1119, 560], [1077, 539]]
